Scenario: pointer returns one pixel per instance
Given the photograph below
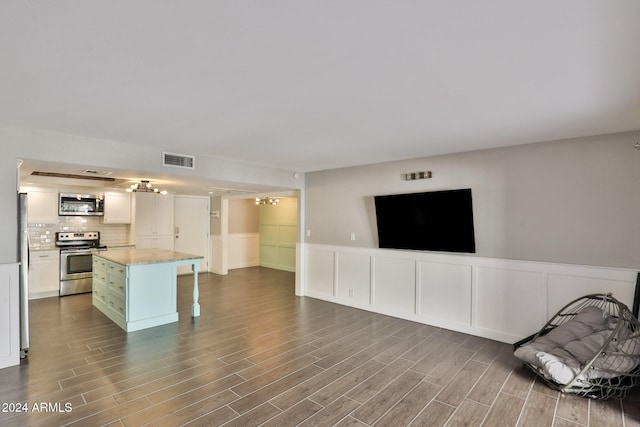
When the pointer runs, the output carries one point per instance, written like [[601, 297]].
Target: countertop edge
[[145, 256]]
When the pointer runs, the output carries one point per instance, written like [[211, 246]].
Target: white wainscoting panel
[[509, 301], [320, 266], [504, 300], [394, 285], [445, 292], [354, 278], [564, 288], [244, 250]]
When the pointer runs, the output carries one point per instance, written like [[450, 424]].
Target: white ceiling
[[313, 85]]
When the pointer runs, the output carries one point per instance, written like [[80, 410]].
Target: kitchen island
[[137, 288]]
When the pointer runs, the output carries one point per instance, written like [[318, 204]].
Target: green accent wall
[[278, 233]]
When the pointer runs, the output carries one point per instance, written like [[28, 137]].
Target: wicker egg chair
[[591, 347]]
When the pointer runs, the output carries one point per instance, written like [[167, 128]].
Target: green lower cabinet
[[137, 296]]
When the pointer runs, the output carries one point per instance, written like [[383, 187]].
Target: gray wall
[[575, 201]]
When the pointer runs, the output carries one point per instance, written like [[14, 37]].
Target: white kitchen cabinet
[[153, 221], [44, 274], [154, 242], [42, 206], [117, 208]]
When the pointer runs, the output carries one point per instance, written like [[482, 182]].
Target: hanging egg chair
[[591, 347]]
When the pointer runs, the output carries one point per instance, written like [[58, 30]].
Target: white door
[[191, 222]]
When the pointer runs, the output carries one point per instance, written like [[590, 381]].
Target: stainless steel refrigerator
[[23, 258]]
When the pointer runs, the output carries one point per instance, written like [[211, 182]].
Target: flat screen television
[[432, 221]]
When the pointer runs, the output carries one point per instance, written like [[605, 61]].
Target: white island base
[[137, 288]]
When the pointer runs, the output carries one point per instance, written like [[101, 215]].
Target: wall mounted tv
[[432, 221]]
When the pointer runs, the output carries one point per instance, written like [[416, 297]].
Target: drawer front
[[115, 269], [99, 276], [99, 263], [117, 306], [99, 296], [116, 279], [117, 284]]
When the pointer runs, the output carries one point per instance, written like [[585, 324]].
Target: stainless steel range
[[76, 261]]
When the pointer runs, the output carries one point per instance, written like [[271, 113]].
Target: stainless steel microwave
[[81, 204]]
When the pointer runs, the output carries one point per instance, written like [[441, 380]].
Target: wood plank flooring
[[259, 355]]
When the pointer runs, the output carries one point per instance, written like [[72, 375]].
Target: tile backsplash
[[43, 236]]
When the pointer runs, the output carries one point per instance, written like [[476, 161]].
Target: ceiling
[[314, 85]]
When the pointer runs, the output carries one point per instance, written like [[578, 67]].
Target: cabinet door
[[154, 242], [145, 242], [154, 221], [164, 242], [164, 214], [42, 206], [117, 208], [145, 214], [44, 274]]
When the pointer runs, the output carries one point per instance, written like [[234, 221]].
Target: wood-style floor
[[259, 355]]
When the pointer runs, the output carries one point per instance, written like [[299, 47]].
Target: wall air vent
[[178, 160]]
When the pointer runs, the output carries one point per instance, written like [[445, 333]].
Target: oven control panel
[[70, 237], [63, 236]]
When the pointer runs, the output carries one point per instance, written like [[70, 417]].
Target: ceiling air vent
[[178, 160]]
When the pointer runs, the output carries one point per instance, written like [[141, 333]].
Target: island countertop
[[145, 256]]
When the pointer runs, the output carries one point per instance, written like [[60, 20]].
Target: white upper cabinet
[[153, 220], [164, 214], [117, 208], [42, 206]]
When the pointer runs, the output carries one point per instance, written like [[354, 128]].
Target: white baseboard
[[47, 294]]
